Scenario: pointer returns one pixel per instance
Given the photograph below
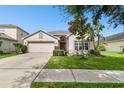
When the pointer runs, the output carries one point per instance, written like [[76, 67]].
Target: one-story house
[[115, 42], [41, 41]]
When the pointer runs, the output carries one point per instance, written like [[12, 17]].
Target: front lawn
[[112, 61], [113, 54], [75, 85], [8, 54]]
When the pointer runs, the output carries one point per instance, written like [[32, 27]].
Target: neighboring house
[[41, 41], [115, 42], [13, 31], [10, 34], [7, 43]]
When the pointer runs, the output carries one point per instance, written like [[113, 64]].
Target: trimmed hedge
[[58, 52]]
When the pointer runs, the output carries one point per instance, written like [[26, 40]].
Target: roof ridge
[[115, 34]]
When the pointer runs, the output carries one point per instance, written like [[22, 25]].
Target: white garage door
[[41, 47]]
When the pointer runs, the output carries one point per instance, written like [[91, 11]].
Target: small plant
[[1, 43], [58, 52], [24, 49], [102, 47], [57, 47], [0, 46], [95, 52], [20, 48], [1, 52]]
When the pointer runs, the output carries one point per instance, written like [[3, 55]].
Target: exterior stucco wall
[[70, 45], [45, 37], [116, 46], [20, 35], [7, 45], [12, 32], [15, 33]]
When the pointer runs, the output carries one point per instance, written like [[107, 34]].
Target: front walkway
[[79, 75]]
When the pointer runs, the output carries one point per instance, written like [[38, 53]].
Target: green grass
[[75, 85], [8, 54], [112, 61], [113, 54]]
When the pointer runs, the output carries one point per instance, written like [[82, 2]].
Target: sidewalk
[[80, 75]]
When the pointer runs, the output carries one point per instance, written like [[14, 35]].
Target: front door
[[63, 45]]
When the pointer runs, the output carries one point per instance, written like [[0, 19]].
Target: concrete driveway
[[21, 70]]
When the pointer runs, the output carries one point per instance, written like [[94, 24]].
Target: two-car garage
[[41, 42], [41, 47]]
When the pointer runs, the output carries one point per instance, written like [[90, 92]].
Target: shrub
[[1, 43], [24, 49], [58, 52], [1, 52], [102, 48], [20, 48], [94, 52], [57, 47]]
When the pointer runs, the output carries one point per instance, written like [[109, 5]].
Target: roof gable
[[39, 32]]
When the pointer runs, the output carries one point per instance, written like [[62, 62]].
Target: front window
[[78, 45], [85, 47]]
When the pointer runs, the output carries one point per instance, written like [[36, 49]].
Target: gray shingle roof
[[4, 36], [60, 32], [118, 36]]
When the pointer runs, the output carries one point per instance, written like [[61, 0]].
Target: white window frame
[[78, 44]]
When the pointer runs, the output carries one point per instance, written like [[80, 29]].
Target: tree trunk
[[94, 44], [98, 39], [83, 47]]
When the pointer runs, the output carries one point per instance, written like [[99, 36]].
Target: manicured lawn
[[112, 61], [113, 54], [8, 54], [75, 85]]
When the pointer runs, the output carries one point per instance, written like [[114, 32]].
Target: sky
[[46, 18]]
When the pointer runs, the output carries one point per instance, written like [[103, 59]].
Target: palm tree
[[78, 26], [91, 34], [98, 28]]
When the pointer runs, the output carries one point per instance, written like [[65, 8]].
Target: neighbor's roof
[[4, 36], [60, 32], [11, 26], [119, 36]]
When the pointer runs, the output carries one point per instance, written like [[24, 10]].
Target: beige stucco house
[[115, 42], [10, 34], [41, 41]]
